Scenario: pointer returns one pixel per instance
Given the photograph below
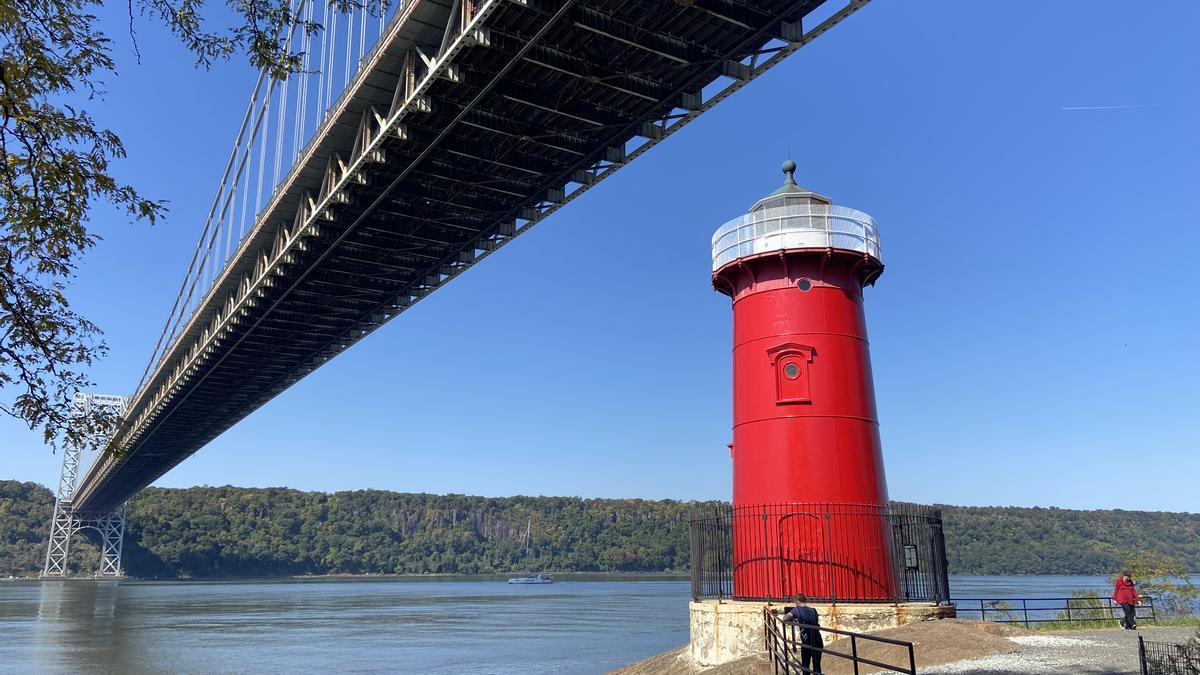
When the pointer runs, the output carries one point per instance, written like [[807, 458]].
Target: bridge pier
[[66, 521]]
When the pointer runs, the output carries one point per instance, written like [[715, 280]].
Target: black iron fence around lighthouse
[[825, 552]]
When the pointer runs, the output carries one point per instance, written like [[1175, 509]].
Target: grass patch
[[1114, 623], [1178, 621], [1090, 624]]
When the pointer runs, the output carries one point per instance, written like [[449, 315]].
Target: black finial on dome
[[789, 169], [789, 186]]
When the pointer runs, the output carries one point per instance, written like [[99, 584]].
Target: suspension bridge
[[417, 139]]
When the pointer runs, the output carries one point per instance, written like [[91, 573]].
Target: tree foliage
[[57, 170], [25, 510], [227, 531], [1163, 577], [1009, 540]]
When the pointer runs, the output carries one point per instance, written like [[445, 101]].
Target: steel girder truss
[[66, 521]]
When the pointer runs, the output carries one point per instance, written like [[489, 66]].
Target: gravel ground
[[1095, 652]]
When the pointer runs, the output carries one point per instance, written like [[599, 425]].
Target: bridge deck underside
[[545, 105]]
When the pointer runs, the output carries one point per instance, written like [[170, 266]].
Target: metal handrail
[[991, 605], [782, 645]]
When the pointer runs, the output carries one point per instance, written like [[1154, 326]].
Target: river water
[[577, 625]]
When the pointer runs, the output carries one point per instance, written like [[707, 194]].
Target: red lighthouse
[[808, 483]]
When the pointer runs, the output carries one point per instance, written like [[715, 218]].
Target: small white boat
[[533, 579]]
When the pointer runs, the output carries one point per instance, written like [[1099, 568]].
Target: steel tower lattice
[[66, 521]]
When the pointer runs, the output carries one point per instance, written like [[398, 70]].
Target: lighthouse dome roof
[[794, 217], [790, 192]]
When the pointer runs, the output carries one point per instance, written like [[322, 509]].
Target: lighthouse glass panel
[[795, 226]]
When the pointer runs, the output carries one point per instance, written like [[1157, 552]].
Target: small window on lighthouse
[[804, 285], [792, 364]]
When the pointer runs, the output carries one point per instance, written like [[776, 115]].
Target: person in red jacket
[[1125, 594]]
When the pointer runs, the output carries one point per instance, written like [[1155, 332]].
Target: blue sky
[[1033, 167]]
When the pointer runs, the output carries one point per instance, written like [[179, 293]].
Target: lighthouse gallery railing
[[916, 552], [795, 226]]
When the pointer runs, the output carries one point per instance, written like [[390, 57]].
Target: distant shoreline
[[498, 578], [560, 576], [263, 533]]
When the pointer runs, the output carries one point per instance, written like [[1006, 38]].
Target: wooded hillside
[[227, 531]]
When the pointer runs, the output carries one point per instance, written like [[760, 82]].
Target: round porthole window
[[804, 285], [791, 371]]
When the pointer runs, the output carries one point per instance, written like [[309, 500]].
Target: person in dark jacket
[[1125, 594], [810, 638]]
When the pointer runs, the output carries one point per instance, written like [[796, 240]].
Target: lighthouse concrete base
[[727, 630]]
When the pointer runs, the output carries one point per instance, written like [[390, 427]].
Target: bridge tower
[[67, 521], [805, 428]]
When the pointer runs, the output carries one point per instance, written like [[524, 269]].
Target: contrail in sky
[[1101, 107]]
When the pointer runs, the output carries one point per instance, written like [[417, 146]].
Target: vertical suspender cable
[[279, 133], [217, 257], [206, 264], [362, 33], [301, 79], [262, 154], [324, 68], [245, 193], [229, 232], [310, 64], [325, 61], [305, 77], [228, 239], [349, 49], [333, 16]]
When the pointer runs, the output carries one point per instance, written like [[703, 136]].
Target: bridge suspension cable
[[283, 113]]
